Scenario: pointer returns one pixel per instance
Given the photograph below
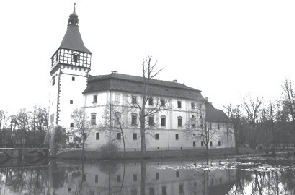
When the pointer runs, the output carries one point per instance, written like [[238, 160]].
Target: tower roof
[[72, 39]]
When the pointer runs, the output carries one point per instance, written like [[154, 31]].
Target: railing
[[24, 145]]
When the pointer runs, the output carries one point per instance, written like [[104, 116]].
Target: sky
[[227, 49]]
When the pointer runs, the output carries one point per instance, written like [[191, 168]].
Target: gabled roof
[[214, 115], [73, 40], [134, 84]]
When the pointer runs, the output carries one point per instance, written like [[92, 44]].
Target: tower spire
[[73, 19]]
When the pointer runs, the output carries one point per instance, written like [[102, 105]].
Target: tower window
[[71, 101], [73, 78], [193, 105], [134, 136], [93, 119], [95, 99], [97, 136], [76, 57]]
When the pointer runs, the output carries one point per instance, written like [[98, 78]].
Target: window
[[178, 104], [194, 143], [53, 80], [193, 105], [151, 121], [157, 136], [69, 189], [134, 136], [219, 143], [118, 178], [134, 100], [157, 176], [164, 190], [177, 173], [193, 125], [176, 136], [93, 119], [72, 124], [97, 136], [181, 190], [73, 78], [193, 116], [211, 143], [117, 118], [117, 97], [218, 126], [134, 177], [96, 179], [202, 143], [134, 119], [118, 136], [179, 121], [151, 101], [71, 101], [151, 191], [210, 126], [162, 102], [94, 98], [76, 57], [163, 121]]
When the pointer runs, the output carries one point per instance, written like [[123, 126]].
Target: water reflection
[[150, 178]]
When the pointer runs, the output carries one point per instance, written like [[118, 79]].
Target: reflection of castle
[[160, 179], [181, 107]]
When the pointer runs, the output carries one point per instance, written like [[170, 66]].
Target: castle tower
[[70, 66]]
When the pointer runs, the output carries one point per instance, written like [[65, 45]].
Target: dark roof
[[72, 40], [134, 84], [214, 115]]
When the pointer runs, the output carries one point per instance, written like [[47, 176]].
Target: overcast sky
[[227, 49]]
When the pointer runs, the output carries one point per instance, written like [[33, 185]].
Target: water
[[222, 176]]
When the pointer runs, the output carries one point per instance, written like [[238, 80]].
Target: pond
[[219, 176]]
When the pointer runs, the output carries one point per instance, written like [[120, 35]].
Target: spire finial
[[74, 8]]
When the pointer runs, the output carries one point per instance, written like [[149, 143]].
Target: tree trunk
[[142, 128]]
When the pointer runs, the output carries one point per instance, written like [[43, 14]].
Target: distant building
[[184, 113]]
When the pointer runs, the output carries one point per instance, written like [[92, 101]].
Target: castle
[[184, 119]]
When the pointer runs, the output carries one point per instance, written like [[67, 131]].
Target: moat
[[200, 177]]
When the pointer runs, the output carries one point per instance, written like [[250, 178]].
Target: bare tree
[[82, 123], [289, 103], [252, 107], [113, 122], [234, 114], [149, 72]]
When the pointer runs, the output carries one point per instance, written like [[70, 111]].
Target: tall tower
[[70, 66]]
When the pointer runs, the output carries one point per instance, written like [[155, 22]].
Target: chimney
[[174, 81], [206, 99], [114, 72]]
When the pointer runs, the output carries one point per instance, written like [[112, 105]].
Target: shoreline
[[159, 154]]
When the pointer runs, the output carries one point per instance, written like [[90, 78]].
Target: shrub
[[109, 151]]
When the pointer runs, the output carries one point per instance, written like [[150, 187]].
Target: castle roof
[[214, 115], [135, 84]]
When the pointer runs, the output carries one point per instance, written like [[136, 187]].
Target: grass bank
[[159, 154]]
